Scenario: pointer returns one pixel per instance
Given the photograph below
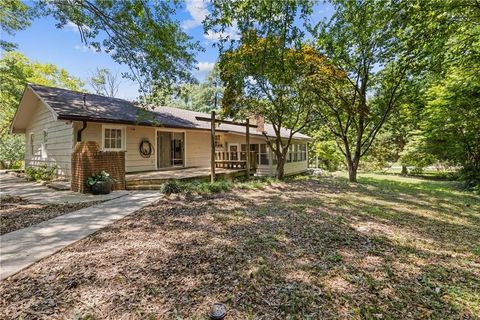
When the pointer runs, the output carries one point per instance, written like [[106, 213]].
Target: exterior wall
[[133, 135], [197, 147], [295, 167], [134, 161], [59, 141]]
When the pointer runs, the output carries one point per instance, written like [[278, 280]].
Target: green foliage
[[15, 72], [203, 187], [40, 173], [376, 45], [171, 186], [143, 35], [105, 82], [101, 176], [194, 96], [12, 150], [265, 71], [14, 16]]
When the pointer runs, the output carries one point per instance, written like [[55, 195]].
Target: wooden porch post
[[212, 162], [248, 147]]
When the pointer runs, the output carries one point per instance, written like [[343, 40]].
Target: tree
[[265, 70], [376, 45], [202, 96], [143, 35], [279, 91], [15, 72], [105, 82], [451, 122], [400, 128], [14, 16]]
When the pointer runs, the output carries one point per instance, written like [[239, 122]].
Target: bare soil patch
[[306, 249], [17, 213]]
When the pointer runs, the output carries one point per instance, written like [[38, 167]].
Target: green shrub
[[42, 172], [219, 186], [470, 174], [102, 176], [171, 186], [416, 170]]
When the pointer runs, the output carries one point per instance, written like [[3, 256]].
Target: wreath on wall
[[145, 148]]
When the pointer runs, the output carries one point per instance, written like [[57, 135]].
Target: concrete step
[[146, 182], [145, 187]]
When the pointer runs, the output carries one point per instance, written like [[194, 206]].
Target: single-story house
[[54, 119]]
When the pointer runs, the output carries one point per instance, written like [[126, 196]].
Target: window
[[113, 138], [32, 146], [44, 144], [263, 155]]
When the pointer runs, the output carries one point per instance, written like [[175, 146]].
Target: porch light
[[218, 311]]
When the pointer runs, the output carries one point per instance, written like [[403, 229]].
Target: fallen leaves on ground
[[304, 249], [17, 213]]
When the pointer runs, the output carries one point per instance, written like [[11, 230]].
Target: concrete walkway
[[37, 193], [21, 248]]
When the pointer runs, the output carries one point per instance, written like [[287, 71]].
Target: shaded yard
[[17, 213], [309, 248]]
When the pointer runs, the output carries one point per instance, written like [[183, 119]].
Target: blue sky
[[43, 42]]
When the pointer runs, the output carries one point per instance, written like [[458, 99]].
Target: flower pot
[[102, 187]]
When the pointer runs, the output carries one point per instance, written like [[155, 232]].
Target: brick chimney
[[259, 121]]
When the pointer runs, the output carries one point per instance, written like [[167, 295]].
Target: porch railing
[[235, 160]]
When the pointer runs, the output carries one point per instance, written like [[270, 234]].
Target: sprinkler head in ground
[[218, 311]]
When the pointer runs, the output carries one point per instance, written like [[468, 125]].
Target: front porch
[[152, 180]]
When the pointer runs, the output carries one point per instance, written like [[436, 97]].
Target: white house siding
[[295, 167], [135, 162], [197, 148], [59, 141], [133, 135]]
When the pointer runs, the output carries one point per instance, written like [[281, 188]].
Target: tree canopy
[[16, 71]]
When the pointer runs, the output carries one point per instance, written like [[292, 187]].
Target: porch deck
[[151, 178]]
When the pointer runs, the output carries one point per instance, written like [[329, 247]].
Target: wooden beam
[[247, 128], [226, 122], [212, 162]]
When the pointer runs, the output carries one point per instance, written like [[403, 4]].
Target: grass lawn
[[310, 248]]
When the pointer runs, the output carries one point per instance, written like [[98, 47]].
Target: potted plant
[[100, 183]]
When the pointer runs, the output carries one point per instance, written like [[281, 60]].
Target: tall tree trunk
[[352, 170], [280, 168]]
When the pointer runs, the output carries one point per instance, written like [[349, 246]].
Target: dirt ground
[[306, 249], [17, 213]]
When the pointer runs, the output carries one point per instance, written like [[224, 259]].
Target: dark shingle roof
[[69, 105]]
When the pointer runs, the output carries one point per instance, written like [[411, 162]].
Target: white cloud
[[205, 67], [198, 11], [231, 33], [70, 26], [84, 48]]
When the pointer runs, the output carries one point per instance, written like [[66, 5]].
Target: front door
[[170, 149]]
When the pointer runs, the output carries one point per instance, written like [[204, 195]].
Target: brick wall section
[[87, 160]]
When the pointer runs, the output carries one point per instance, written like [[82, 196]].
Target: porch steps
[[145, 187]]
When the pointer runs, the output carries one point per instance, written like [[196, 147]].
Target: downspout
[[79, 132]]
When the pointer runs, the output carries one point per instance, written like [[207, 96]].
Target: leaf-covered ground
[[387, 248], [18, 213]]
